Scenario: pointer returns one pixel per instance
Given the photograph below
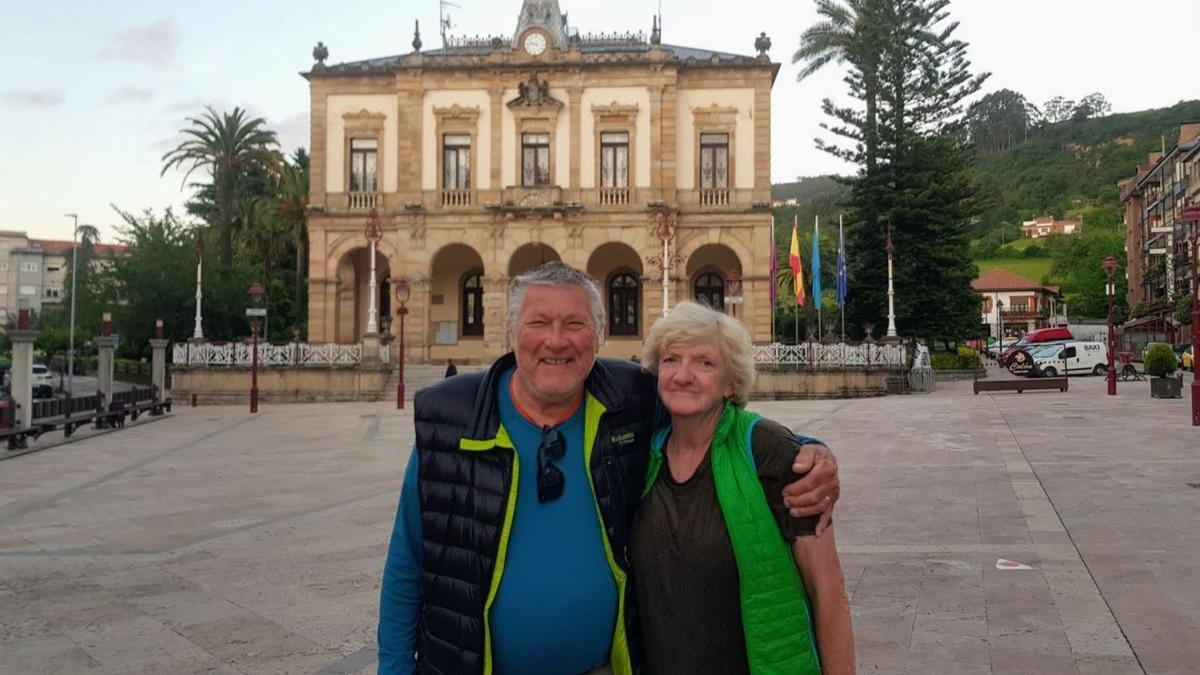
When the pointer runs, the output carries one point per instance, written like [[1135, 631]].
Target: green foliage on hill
[[810, 188], [1071, 169]]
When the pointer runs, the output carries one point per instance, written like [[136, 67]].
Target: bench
[[1019, 386]]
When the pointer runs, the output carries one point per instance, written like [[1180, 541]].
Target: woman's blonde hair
[[690, 322]]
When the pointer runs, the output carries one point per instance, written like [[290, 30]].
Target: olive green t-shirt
[[684, 571]]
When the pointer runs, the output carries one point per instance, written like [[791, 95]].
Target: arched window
[[472, 304], [710, 290], [623, 304]]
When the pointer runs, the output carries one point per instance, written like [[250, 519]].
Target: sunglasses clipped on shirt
[[551, 481]]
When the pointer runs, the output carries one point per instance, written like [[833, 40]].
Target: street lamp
[[255, 313], [1110, 264], [71, 335], [374, 233], [401, 285], [1000, 320], [1192, 215]]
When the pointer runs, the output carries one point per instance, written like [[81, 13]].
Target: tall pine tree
[[917, 181]]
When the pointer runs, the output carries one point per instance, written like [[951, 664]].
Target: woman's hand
[[818, 489]]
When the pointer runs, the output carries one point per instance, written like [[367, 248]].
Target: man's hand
[[819, 488]]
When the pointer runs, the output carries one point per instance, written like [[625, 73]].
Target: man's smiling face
[[555, 340]]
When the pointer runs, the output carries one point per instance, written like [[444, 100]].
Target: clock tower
[[544, 18]]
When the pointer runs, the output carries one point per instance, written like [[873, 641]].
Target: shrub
[[1160, 361], [1033, 251], [964, 359]]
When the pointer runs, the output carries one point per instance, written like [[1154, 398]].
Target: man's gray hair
[[554, 274]]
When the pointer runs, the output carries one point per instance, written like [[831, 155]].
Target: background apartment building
[[33, 272]]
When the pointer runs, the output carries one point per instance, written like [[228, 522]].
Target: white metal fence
[[836, 355], [292, 354]]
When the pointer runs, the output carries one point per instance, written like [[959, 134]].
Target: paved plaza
[[215, 542]]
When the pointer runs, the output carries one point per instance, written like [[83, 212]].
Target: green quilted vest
[[775, 613]]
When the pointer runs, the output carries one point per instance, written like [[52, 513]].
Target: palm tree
[[228, 146], [847, 32], [293, 205]]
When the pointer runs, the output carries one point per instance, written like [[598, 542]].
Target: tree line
[[245, 218], [1002, 119]]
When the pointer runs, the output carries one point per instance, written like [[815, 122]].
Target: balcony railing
[[364, 200], [610, 196], [714, 197], [452, 198]]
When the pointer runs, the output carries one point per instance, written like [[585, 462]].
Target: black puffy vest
[[464, 494]]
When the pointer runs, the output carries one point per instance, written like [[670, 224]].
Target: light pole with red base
[[1110, 264], [255, 313]]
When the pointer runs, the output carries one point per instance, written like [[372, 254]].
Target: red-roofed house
[[33, 272], [1027, 305]]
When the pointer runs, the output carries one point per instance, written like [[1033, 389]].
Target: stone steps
[[419, 376]]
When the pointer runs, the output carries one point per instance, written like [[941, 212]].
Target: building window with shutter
[[714, 161], [623, 293], [456, 162], [364, 158], [614, 159], [709, 290], [535, 160], [472, 304]]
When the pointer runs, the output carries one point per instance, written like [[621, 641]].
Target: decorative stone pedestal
[[106, 344], [22, 374]]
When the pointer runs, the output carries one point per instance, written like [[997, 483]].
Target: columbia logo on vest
[[622, 439]]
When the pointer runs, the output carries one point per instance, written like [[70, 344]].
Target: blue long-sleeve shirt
[[556, 607]]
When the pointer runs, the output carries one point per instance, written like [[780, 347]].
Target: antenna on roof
[[444, 18]]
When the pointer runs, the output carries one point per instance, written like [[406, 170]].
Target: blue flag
[[841, 267], [816, 263]]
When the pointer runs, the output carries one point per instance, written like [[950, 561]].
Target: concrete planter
[[1166, 387]]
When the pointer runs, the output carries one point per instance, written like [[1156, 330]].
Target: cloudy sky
[[94, 93]]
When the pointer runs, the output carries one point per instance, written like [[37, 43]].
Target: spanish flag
[[797, 268]]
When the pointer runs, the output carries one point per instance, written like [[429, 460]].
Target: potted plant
[[1160, 365]]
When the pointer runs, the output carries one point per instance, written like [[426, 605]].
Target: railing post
[[158, 362], [22, 369], [106, 344]]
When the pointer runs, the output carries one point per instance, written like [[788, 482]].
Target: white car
[[41, 375], [1071, 358]]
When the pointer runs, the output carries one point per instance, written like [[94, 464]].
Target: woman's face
[[693, 378]]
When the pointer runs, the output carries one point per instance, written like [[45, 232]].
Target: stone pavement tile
[[253, 644], [941, 653], [1108, 665], [48, 654], [143, 645]]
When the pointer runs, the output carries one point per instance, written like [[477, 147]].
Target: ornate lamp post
[[255, 313], [891, 293], [664, 229], [401, 285], [1110, 264], [374, 233], [198, 330], [1192, 215]]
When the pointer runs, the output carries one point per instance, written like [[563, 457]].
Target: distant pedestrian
[[451, 369]]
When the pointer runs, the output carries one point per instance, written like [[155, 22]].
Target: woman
[[727, 581]]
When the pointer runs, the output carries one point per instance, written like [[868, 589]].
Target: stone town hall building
[[489, 156]]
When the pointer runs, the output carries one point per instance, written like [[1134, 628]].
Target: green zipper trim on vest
[[502, 440], [619, 658], [776, 618]]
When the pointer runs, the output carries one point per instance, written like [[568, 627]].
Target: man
[[509, 549]]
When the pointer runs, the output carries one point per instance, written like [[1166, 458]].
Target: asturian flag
[[794, 263]]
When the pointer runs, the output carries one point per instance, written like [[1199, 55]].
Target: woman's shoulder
[[774, 446]]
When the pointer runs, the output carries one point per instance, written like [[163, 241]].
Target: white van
[[1076, 358]]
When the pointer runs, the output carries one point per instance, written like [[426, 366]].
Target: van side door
[[1070, 358]]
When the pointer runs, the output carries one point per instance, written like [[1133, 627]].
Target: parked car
[[1058, 334], [1189, 358], [1073, 358], [42, 381]]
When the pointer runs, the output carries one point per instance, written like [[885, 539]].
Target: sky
[[94, 93]]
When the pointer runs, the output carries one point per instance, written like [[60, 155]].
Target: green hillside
[[809, 187], [1072, 168], [1036, 270]]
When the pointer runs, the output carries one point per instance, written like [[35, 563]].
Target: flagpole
[[817, 271], [842, 277]]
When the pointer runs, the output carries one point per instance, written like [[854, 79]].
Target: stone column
[[106, 345], [158, 365], [22, 369]]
